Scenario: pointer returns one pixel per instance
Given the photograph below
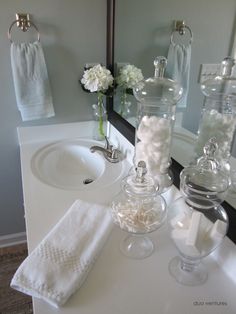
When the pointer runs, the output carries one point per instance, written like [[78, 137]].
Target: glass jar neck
[[160, 66], [159, 72]]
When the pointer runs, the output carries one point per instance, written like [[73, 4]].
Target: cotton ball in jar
[[143, 132], [140, 151]]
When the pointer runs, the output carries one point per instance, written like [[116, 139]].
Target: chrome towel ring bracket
[[24, 23], [181, 28]]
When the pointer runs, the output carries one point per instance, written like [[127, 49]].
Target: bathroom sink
[[70, 165]]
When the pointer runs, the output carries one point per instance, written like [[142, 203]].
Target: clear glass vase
[[125, 104], [100, 119]]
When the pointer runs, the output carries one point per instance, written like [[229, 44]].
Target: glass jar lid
[[223, 84], [206, 175], [158, 88], [139, 184]]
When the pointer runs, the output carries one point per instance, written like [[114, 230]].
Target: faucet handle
[[115, 155], [108, 146]]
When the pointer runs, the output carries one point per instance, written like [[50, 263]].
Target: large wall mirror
[[138, 31]]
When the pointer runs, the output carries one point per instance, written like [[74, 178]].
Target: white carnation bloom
[[129, 76], [97, 79]]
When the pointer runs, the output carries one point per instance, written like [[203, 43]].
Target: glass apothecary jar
[[218, 117], [138, 210], [157, 98], [197, 222]]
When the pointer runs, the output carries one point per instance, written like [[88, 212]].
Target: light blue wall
[[73, 32], [143, 30]]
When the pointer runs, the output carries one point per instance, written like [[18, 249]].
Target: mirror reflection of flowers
[[98, 80], [128, 78]]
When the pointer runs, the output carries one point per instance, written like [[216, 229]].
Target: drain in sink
[[87, 181]]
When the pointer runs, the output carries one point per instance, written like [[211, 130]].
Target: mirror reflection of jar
[[218, 118], [157, 98]]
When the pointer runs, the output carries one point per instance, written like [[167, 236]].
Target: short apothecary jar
[[157, 98], [138, 210], [219, 113]]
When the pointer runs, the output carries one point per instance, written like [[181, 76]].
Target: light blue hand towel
[[178, 68], [30, 76]]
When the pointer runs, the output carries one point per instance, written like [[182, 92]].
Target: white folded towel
[[58, 266], [178, 68], [30, 76]]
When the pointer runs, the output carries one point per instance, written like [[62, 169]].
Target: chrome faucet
[[110, 153]]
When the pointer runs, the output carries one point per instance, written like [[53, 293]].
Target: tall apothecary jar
[[157, 98], [197, 221], [218, 117]]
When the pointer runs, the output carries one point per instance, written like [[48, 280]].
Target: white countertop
[[116, 284]]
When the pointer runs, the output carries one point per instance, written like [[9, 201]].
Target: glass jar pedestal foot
[[188, 272], [137, 246]]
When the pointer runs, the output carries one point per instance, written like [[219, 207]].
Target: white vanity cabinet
[[116, 284]]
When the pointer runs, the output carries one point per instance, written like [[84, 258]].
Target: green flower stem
[[123, 101], [100, 128]]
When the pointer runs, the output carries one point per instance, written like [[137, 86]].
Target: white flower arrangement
[[129, 76], [97, 79]]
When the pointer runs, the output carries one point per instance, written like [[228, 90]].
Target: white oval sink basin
[[70, 165]]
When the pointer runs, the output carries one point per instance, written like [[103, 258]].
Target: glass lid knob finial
[[227, 66], [208, 161], [141, 171]]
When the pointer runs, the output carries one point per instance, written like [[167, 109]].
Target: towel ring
[[24, 28], [181, 32]]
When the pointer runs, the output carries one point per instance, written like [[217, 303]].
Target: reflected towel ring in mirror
[[24, 23], [180, 28]]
